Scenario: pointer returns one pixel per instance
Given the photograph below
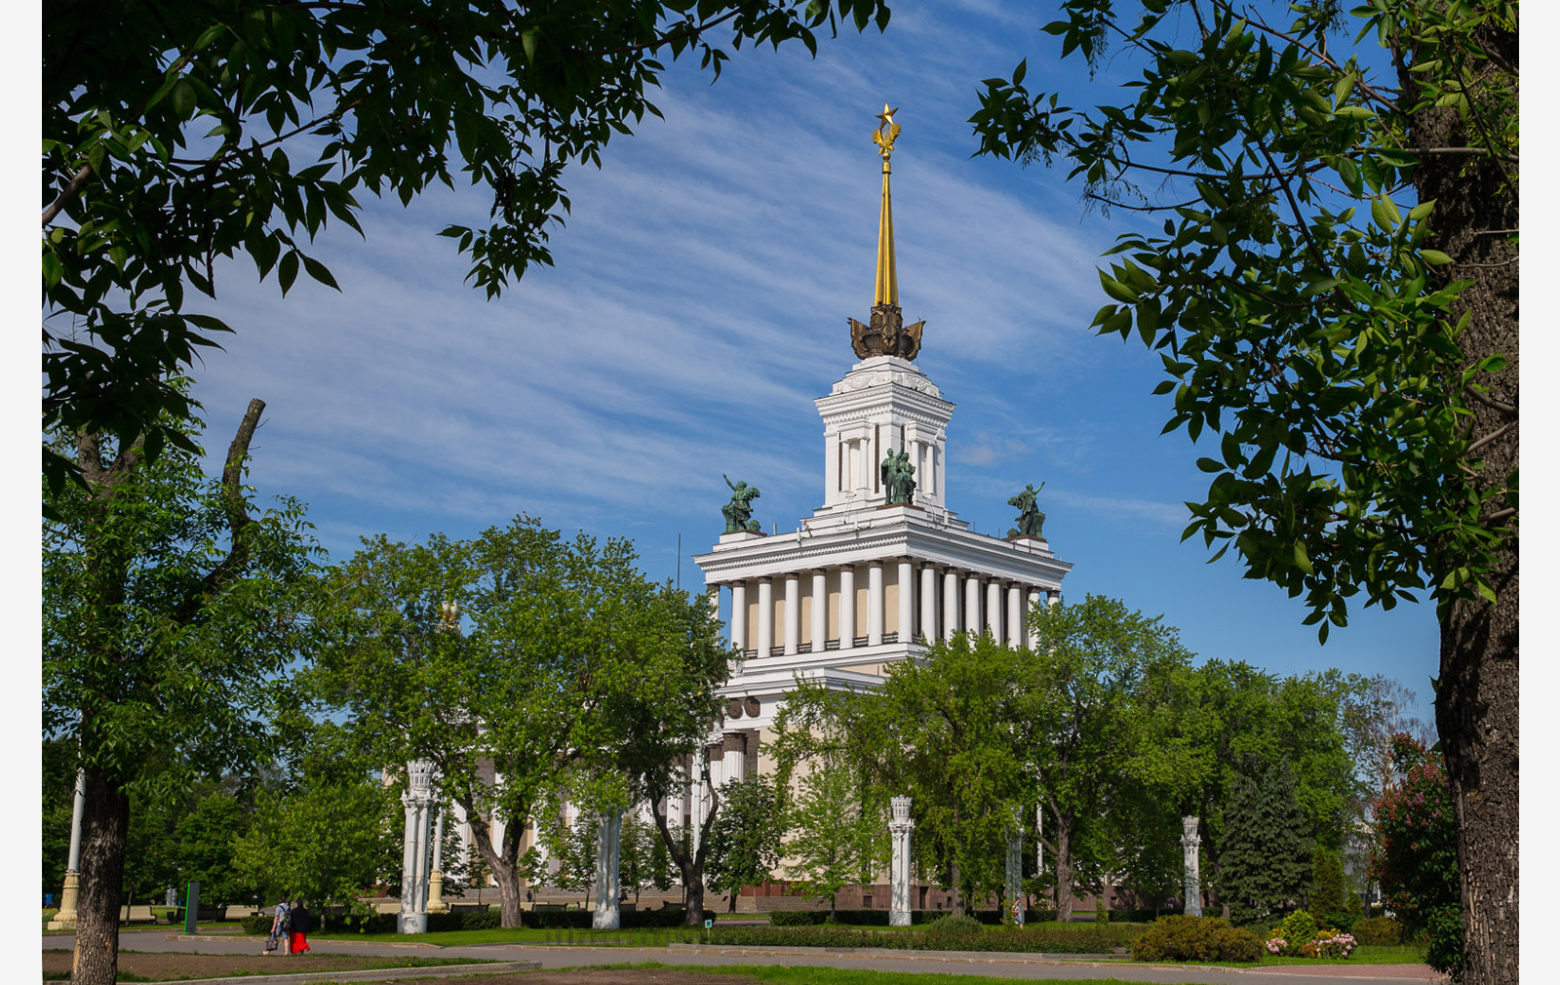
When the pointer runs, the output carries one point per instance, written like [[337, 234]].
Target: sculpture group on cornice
[[739, 511], [1030, 519]]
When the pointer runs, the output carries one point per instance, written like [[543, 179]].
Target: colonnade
[[928, 601]]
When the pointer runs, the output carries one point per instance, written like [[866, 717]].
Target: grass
[[359, 963], [1364, 954], [850, 976]]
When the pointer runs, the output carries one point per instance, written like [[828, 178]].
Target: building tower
[[875, 573]]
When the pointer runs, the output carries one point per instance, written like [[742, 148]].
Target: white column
[[413, 918], [733, 756], [436, 902], [906, 602], [1015, 617], [972, 603], [950, 595], [994, 610], [697, 796], [65, 919], [739, 616], [847, 607], [1034, 630], [766, 617], [832, 483], [899, 828], [1054, 596], [928, 603], [609, 834], [1191, 879], [820, 610], [793, 613], [875, 603]]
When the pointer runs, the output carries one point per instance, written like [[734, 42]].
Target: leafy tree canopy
[[180, 134]]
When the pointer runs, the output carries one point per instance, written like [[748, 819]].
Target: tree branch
[[238, 518]]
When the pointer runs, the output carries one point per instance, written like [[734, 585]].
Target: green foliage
[[746, 838], [838, 831], [568, 671], [1265, 861], [1378, 931], [1327, 890], [1296, 304], [1179, 938], [326, 838], [1298, 928], [1415, 855], [221, 129], [947, 932], [168, 614], [1028, 940]]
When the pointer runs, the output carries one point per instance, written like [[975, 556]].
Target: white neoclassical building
[[864, 582]]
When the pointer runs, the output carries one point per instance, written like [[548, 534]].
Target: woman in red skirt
[[300, 923]]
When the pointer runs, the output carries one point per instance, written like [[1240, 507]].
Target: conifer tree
[[1265, 866]]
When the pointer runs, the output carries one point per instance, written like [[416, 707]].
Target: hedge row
[[879, 918], [1183, 938], [1031, 941], [489, 919]]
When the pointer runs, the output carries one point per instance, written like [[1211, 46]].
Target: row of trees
[[1111, 729]]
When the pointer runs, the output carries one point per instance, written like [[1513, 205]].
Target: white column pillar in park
[[436, 902], [820, 610], [609, 834], [847, 607], [875, 603], [413, 918], [793, 613], [972, 602], [698, 796], [928, 604], [906, 629], [1033, 633], [1015, 617], [1191, 877], [994, 610], [739, 634], [950, 594], [766, 617], [899, 827], [733, 756], [65, 919]]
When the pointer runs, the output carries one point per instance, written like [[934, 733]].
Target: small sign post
[[191, 908]]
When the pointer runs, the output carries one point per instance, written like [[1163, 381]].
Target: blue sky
[[698, 306]]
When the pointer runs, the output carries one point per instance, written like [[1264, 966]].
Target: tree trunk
[[1477, 699], [1064, 871], [690, 864], [105, 826], [503, 867]]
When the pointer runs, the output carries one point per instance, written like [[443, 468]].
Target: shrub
[[1299, 928], [1331, 943], [953, 928], [1082, 941], [1181, 938], [1377, 931]]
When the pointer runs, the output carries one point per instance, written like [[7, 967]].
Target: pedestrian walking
[[280, 918], [301, 923]]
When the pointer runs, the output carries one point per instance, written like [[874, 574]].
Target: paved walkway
[[1022, 966]]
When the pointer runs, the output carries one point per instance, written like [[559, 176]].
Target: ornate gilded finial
[[886, 334]]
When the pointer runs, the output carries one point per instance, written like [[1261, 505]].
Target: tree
[[1356, 360], [176, 135], [168, 618], [1082, 704], [745, 839], [1414, 857], [839, 833], [565, 660], [1327, 888], [326, 836], [1265, 861]]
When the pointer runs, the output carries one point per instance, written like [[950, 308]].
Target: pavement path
[[1018, 966]]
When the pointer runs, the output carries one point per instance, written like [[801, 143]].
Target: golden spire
[[885, 334], [887, 287]]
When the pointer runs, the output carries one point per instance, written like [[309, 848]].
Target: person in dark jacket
[[300, 922]]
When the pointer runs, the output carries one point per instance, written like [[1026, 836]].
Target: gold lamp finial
[[887, 287]]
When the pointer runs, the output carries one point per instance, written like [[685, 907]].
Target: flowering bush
[[1276, 945], [1333, 944]]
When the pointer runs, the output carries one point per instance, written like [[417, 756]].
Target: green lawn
[[852, 976]]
